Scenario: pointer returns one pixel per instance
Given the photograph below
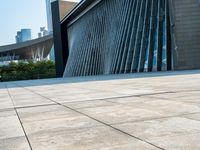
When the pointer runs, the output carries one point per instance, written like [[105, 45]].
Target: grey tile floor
[[149, 111]]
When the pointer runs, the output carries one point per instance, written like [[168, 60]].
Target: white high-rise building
[[49, 16]]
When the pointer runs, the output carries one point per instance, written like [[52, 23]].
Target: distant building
[[23, 35], [49, 16], [39, 35], [36, 49], [43, 32]]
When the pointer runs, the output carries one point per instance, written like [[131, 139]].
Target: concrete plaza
[[148, 111]]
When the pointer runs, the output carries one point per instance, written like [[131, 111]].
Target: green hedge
[[27, 70]]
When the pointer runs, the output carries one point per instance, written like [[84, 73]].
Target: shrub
[[27, 70]]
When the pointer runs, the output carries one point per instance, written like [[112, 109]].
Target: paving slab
[[135, 111], [119, 113], [195, 116], [16, 143], [88, 104], [53, 118], [163, 106], [179, 142], [6, 103], [159, 128], [9, 125], [87, 138]]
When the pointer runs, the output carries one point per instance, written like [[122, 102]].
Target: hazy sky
[[17, 14]]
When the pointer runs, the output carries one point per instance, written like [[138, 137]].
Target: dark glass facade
[[126, 36], [129, 36]]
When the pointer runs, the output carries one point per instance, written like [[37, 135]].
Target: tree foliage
[[27, 70]]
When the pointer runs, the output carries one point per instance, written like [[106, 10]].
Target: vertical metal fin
[[123, 36]]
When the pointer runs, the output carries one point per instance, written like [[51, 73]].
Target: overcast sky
[[17, 14]]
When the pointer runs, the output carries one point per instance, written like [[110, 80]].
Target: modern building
[[127, 36], [37, 49], [23, 35], [65, 7], [49, 16]]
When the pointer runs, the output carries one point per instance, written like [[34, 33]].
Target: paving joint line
[[175, 100], [108, 98], [151, 119], [19, 119], [137, 95], [98, 120], [187, 91], [110, 126], [129, 96]]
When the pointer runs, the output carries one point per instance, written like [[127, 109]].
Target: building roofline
[[24, 44]]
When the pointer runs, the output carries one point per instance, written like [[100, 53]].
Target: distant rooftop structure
[[23, 35], [43, 32]]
